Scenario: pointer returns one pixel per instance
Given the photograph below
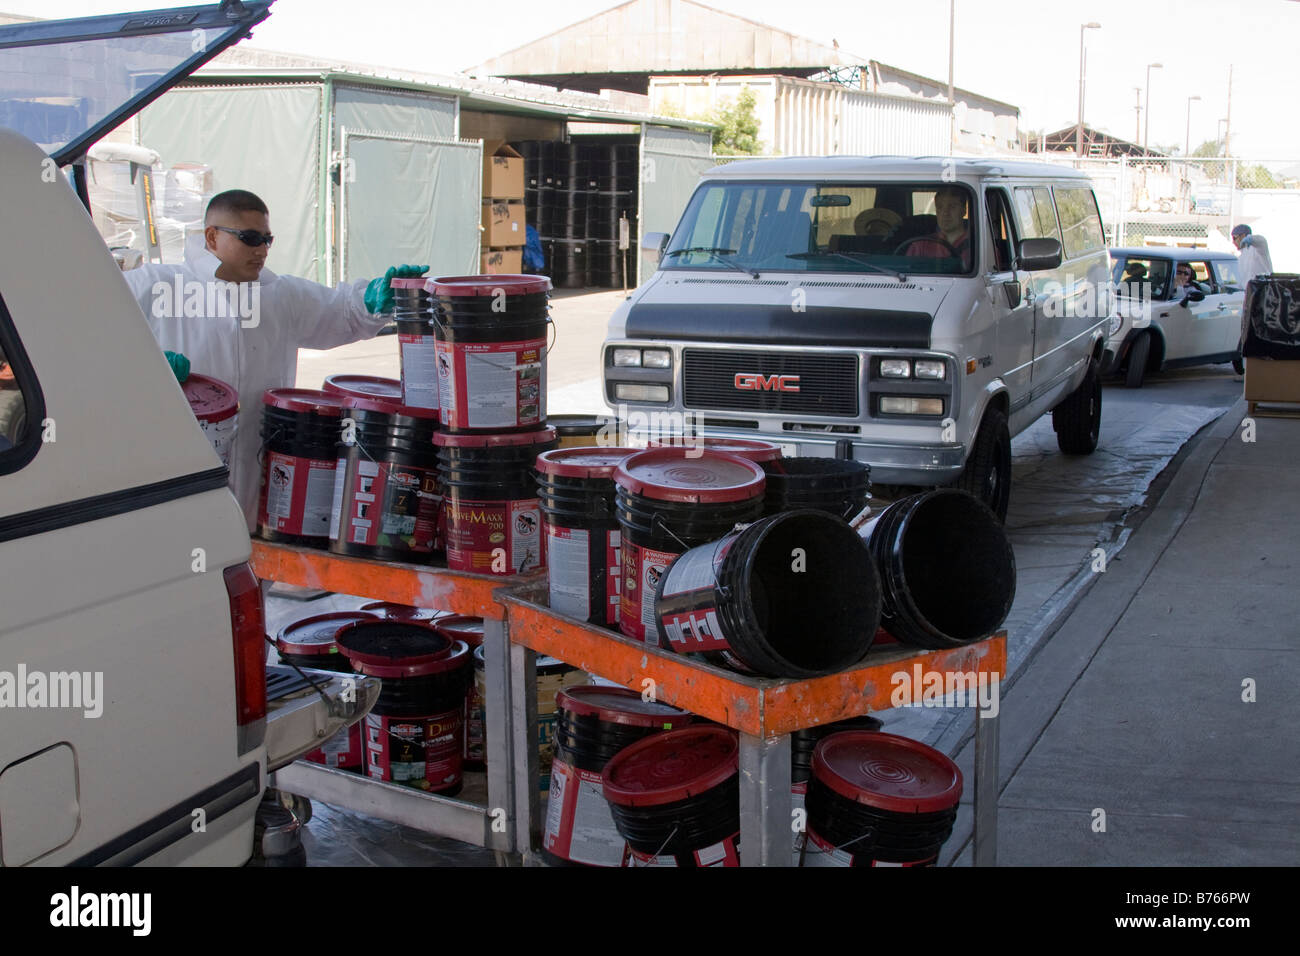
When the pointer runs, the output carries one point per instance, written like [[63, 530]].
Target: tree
[[1211, 148], [737, 125], [1256, 177]]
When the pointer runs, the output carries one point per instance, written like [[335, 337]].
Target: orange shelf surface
[[414, 584], [758, 706]]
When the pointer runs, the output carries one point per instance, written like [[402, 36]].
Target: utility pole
[[1147, 129], [1227, 123], [1137, 133], [1078, 131], [952, 35]]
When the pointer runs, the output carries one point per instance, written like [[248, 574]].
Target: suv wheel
[[987, 474], [1137, 360], [1077, 420]]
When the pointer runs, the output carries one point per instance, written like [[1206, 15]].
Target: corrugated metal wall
[[821, 119]]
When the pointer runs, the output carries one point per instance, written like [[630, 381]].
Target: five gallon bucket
[[584, 431], [838, 486], [387, 501], [675, 798], [491, 347], [878, 799], [415, 732], [311, 643], [792, 595], [216, 407], [364, 386], [947, 571], [802, 744], [413, 312], [300, 432], [576, 487], [593, 723], [669, 500], [493, 516]]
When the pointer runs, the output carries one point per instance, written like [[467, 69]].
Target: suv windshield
[[896, 228]]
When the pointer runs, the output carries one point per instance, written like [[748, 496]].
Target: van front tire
[[1077, 420], [987, 474]]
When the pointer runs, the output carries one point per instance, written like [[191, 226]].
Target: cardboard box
[[502, 261], [503, 171], [503, 224], [1272, 380]]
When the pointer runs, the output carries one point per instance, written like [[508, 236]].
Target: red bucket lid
[[366, 386], [473, 440], [312, 400], [210, 398], [708, 477], [315, 635], [387, 406], [619, 705], [403, 612], [400, 649], [583, 462], [756, 451], [672, 766], [409, 282], [488, 285], [461, 627], [887, 772]]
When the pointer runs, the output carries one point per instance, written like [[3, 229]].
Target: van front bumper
[[891, 463]]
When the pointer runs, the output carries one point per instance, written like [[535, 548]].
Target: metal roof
[[1177, 253], [821, 167]]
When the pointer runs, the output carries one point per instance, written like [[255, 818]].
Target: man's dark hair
[[1241, 230], [235, 201]]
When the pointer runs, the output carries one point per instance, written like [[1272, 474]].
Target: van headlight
[[895, 368], [929, 369], [643, 358], [627, 392]]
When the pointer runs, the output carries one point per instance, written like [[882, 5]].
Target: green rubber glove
[[180, 365], [379, 294]]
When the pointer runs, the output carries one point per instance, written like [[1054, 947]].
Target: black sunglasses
[[249, 237]]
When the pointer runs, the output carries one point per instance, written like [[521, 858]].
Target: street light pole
[[1137, 96], [1187, 146], [952, 102], [1147, 129], [1078, 131]]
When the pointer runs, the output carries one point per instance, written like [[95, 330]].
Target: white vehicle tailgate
[[304, 717]]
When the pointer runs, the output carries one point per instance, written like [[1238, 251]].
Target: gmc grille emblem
[[753, 382]]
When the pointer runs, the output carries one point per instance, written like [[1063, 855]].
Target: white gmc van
[[913, 312], [135, 725]]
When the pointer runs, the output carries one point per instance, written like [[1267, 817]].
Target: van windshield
[[911, 228]]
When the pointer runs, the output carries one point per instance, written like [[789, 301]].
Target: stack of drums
[[311, 643], [216, 408], [582, 531], [387, 502], [669, 500], [413, 311], [675, 798], [878, 799], [415, 732], [593, 724], [802, 744], [300, 434], [838, 486]]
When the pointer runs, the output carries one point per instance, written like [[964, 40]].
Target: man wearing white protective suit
[[224, 314]]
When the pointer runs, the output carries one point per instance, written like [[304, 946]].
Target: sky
[[1024, 52]]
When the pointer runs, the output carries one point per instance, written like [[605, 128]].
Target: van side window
[[1080, 221], [1034, 209], [1004, 237], [22, 408]]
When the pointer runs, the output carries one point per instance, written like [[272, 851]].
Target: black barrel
[[837, 486], [947, 569], [300, 431]]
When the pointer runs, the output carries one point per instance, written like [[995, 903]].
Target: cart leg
[[986, 791], [500, 763], [523, 732], [766, 836]]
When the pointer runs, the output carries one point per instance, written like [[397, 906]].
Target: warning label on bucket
[[492, 384], [568, 569], [642, 568], [297, 494], [579, 825], [419, 370]]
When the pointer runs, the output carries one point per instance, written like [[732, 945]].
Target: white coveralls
[[293, 313], [1254, 259]]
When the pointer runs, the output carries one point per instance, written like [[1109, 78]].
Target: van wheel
[[1239, 363], [1137, 361], [1077, 420], [987, 474]]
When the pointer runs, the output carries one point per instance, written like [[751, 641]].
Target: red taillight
[[248, 622]]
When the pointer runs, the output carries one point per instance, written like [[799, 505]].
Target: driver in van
[[952, 228]]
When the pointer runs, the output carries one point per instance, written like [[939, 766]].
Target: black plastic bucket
[[802, 744], [576, 487], [364, 386], [493, 516], [838, 486], [387, 501], [593, 724], [878, 799], [675, 798], [415, 732], [669, 500], [491, 345], [792, 595], [947, 570], [300, 432], [413, 313], [310, 642], [584, 431]]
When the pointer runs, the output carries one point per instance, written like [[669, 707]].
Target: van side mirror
[[1039, 254], [655, 243]]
